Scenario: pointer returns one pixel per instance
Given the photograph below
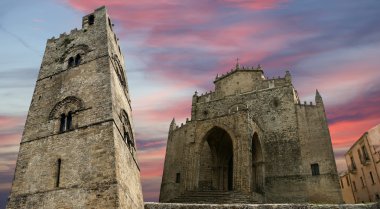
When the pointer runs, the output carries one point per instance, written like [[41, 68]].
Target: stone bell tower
[[78, 148]]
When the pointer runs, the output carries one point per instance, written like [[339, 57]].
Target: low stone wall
[[151, 205]]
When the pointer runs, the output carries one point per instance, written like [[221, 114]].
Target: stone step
[[219, 197]]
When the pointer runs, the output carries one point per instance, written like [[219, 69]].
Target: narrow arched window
[[62, 126], [70, 62], [69, 120], [77, 59], [91, 19]]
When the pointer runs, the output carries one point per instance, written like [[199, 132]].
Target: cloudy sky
[[174, 47]]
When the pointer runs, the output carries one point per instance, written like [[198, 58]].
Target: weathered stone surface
[[90, 161], [252, 136], [150, 205]]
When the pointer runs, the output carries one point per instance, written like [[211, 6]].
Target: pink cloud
[[255, 4], [11, 129], [145, 13], [179, 110], [345, 133]]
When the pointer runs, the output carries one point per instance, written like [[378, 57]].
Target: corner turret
[[288, 77], [173, 125], [318, 98]]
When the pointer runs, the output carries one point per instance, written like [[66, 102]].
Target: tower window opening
[[91, 19], [77, 59], [58, 172], [66, 122], [70, 62], [62, 126], [178, 178], [69, 120], [315, 169]]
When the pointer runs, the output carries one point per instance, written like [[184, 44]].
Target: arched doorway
[[257, 180], [216, 161]]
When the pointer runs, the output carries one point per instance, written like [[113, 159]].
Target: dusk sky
[[174, 47]]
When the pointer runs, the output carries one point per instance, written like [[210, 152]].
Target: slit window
[[59, 162], [177, 178], [315, 169], [91, 19], [354, 185]]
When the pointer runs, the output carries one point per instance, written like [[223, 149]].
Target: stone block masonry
[[150, 205]]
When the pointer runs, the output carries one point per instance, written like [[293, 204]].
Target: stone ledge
[[154, 205]]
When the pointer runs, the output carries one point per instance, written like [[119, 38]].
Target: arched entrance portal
[[216, 161], [257, 180]]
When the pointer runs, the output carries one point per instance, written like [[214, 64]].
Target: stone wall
[[149, 205]]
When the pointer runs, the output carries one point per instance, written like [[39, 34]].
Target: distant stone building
[[251, 140], [362, 181], [78, 148]]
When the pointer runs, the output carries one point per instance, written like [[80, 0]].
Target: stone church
[[251, 140], [78, 146]]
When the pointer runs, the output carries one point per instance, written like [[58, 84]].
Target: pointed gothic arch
[[216, 161]]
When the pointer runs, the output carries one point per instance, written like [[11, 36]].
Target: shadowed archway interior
[[216, 161], [257, 180]]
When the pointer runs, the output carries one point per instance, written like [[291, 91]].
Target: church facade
[[251, 141], [78, 148]]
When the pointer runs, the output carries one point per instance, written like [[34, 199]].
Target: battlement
[[87, 21], [242, 80], [257, 69]]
